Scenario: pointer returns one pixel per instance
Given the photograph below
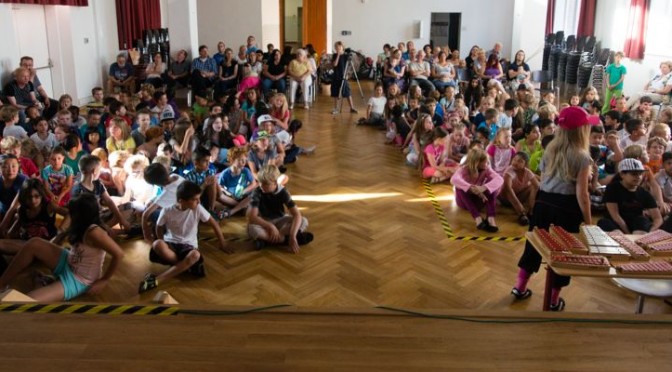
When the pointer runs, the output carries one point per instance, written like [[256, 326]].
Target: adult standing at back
[[50, 105], [563, 199], [121, 75]]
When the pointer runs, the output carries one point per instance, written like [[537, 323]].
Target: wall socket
[[346, 33]]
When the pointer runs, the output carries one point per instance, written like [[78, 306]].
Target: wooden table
[[611, 273]]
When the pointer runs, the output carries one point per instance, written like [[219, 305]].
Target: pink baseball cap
[[575, 117]]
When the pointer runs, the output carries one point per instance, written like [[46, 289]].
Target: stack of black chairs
[[154, 41]]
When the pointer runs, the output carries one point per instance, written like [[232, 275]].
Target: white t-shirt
[[168, 197], [377, 105], [15, 131], [47, 144], [182, 225]]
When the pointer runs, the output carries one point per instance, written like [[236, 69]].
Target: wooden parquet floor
[[378, 242]]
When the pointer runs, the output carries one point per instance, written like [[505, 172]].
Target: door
[[315, 24], [30, 29]]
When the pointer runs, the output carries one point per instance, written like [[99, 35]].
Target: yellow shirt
[[127, 145], [297, 68]]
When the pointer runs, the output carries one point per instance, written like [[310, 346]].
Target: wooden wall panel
[[315, 24]]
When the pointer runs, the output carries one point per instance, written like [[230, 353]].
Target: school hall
[[397, 276]]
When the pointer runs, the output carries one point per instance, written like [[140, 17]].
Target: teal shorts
[[71, 286]]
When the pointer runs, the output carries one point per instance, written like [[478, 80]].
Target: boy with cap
[[626, 202], [168, 123]]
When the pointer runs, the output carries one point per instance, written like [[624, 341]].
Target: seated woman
[[300, 72], [493, 72], [251, 74], [178, 72], [658, 88], [519, 72], [476, 185], [274, 73], [455, 59], [78, 270], [228, 74], [155, 70], [394, 71], [443, 73]]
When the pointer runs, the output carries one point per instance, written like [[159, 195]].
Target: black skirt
[[557, 209]]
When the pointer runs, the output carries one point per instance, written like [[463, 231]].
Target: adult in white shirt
[[658, 88]]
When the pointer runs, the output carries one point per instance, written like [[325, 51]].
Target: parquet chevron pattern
[[378, 242]]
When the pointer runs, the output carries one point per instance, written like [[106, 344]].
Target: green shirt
[[615, 73]]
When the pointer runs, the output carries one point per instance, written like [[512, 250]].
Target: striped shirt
[[209, 65]]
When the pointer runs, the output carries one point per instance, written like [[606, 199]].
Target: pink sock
[[523, 278], [555, 295]]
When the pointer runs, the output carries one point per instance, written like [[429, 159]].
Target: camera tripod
[[348, 67]]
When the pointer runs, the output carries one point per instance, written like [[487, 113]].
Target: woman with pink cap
[[563, 197]]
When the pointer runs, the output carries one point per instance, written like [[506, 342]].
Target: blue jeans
[[268, 84]]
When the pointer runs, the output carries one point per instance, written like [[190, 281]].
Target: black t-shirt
[[274, 69], [514, 67], [339, 70], [271, 205], [631, 204], [22, 95]]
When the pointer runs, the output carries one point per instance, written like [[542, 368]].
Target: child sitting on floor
[[436, 166], [520, 187], [177, 233], [476, 184], [267, 220], [627, 201]]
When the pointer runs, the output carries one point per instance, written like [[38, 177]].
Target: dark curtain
[[635, 39], [135, 16], [550, 13], [586, 18], [49, 2]]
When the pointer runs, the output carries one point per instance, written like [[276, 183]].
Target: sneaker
[[259, 244], [483, 225], [334, 111], [197, 269], [306, 107], [560, 306], [148, 283], [521, 295], [353, 111], [304, 238], [523, 220], [308, 150], [291, 107], [491, 228]]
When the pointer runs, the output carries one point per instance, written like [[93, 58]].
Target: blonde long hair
[[567, 153], [475, 157]]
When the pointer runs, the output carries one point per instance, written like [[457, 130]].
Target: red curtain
[[550, 13], [49, 2], [135, 16], [586, 18], [635, 39]]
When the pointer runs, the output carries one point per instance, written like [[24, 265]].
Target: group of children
[[150, 171], [490, 146]]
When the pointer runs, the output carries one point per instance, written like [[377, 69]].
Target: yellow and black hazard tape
[[489, 238], [439, 211], [449, 231], [89, 309]]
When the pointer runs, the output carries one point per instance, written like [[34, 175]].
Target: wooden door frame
[[282, 25]]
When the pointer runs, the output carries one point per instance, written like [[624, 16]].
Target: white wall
[[231, 21], [528, 30], [270, 24], [292, 19], [9, 57], [182, 23], [376, 22], [609, 28]]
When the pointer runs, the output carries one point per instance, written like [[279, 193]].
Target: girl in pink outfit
[[436, 165], [476, 185], [500, 151]]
